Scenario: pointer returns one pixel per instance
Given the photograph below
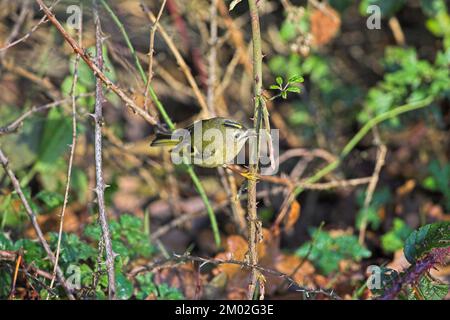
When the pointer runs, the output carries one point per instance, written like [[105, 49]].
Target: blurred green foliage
[[380, 198], [130, 242], [438, 180], [394, 239], [326, 251]]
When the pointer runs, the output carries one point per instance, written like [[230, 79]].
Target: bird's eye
[[237, 134]]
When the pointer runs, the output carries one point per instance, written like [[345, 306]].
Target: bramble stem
[[253, 225]]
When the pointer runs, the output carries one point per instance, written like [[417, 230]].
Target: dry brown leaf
[[406, 188], [325, 24], [292, 216]]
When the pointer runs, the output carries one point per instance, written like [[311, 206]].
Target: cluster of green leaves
[[289, 86], [326, 251], [148, 287], [130, 242], [407, 79], [327, 88], [438, 180], [418, 244]]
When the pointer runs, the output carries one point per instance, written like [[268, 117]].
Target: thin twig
[[31, 214], [100, 188], [212, 56], [381, 156], [15, 30], [151, 52], [72, 153], [26, 36], [14, 126], [397, 31], [181, 62], [129, 102]]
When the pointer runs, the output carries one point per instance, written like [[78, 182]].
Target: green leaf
[[433, 7], [169, 293], [426, 238], [430, 289], [395, 238], [50, 199], [294, 89], [371, 216], [146, 285], [162, 291], [93, 232], [5, 242], [32, 252], [275, 87], [288, 31], [5, 283], [296, 79], [55, 139], [124, 286], [328, 251], [279, 80], [72, 248], [79, 184]]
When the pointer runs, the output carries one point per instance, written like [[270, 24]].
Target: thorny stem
[[253, 225], [187, 257], [100, 188], [197, 183]]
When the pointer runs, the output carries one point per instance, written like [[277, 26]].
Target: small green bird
[[217, 143]]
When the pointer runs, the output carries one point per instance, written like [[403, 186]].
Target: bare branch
[[100, 188]]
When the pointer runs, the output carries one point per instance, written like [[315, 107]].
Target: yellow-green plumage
[[205, 150]]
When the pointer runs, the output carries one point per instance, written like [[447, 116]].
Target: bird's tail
[[164, 139]]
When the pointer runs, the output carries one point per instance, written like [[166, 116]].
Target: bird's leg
[[244, 173]]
